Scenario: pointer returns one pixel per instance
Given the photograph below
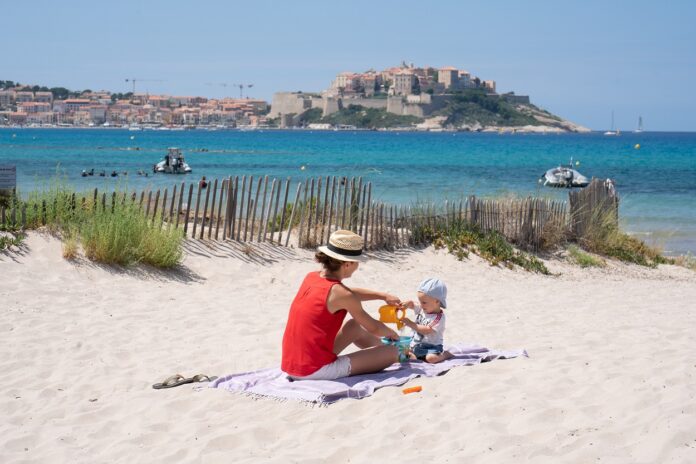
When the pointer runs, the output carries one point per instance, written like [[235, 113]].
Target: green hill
[[360, 117], [476, 107]]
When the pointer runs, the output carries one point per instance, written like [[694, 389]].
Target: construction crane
[[241, 87], [219, 84], [137, 79]]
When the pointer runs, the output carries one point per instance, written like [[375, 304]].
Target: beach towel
[[274, 383]]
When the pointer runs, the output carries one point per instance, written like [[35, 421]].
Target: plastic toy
[[415, 389], [402, 344], [392, 314]]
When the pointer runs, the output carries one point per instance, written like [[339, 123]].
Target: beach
[[610, 375]]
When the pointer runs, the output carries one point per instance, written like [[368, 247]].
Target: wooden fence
[[304, 214], [596, 203]]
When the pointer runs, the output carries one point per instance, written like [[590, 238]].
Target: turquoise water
[[657, 183]]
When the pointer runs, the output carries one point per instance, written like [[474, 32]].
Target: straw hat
[[344, 245]]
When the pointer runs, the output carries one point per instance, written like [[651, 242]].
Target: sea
[[654, 172]]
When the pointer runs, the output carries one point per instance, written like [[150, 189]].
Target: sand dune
[[610, 377]]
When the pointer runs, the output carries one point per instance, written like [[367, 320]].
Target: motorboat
[[173, 163], [564, 176]]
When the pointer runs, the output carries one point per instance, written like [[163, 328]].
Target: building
[[43, 97], [404, 82], [449, 77], [7, 98], [464, 79], [33, 107], [75, 104], [23, 96]]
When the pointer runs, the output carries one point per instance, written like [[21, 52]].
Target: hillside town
[[404, 97], [20, 105]]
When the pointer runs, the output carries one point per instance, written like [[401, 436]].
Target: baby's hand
[[408, 323], [408, 304]]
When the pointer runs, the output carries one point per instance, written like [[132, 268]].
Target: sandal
[[178, 379]]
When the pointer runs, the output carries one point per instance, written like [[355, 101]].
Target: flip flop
[[173, 381], [202, 378], [178, 379]]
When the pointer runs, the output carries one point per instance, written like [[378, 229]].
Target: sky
[[581, 60]]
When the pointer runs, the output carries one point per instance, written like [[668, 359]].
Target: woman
[[313, 335]]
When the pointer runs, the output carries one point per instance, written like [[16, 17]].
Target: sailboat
[[640, 125], [612, 131]]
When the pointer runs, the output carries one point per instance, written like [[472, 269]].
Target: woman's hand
[[391, 334], [392, 300]]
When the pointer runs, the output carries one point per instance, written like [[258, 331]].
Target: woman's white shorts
[[337, 369]]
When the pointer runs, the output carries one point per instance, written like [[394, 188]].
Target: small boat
[[612, 131], [564, 176], [173, 163], [640, 125]]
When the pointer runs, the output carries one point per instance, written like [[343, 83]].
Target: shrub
[[553, 234], [10, 239], [604, 237], [71, 243], [688, 261], [461, 238], [577, 256], [125, 236], [116, 233]]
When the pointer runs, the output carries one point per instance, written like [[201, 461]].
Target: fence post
[[253, 211], [154, 212], [241, 208], [303, 208], [275, 210], [310, 210], [263, 207], [223, 190], [205, 211], [264, 222], [282, 214], [212, 208], [292, 215]]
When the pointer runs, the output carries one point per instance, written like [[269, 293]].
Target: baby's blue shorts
[[420, 350]]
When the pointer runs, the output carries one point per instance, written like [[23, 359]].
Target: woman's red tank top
[[311, 329]]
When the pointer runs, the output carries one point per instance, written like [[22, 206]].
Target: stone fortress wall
[[289, 106]]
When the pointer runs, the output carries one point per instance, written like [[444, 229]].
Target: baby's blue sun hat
[[435, 288]]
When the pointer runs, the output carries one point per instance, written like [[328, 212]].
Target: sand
[[611, 375]]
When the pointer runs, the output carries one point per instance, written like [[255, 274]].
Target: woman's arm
[[341, 297], [365, 294]]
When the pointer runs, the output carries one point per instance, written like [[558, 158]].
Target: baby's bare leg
[[436, 358]]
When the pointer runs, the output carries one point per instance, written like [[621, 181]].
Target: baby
[[429, 326]]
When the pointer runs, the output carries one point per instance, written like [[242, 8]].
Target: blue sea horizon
[[656, 182]]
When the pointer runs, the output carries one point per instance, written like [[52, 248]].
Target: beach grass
[[688, 261], [110, 233], [583, 259], [125, 236], [10, 239], [461, 238], [603, 236]]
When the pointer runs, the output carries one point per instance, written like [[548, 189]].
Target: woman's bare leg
[[352, 332], [373, 359]]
